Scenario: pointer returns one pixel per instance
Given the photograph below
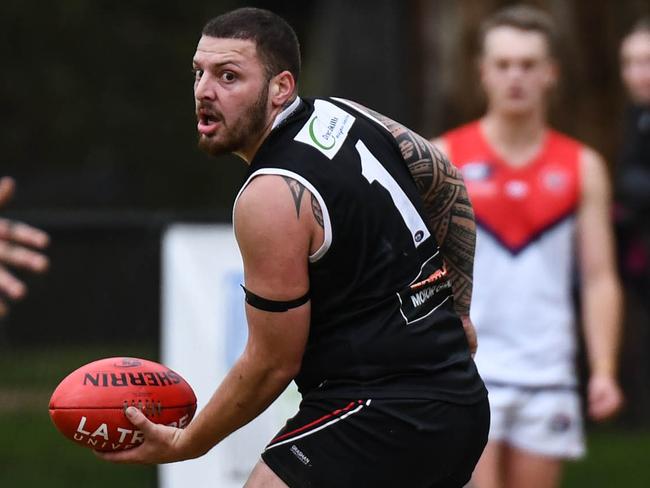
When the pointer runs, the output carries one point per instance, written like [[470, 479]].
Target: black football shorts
[[391, 443]]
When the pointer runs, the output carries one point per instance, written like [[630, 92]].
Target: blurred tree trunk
[[365, 51]]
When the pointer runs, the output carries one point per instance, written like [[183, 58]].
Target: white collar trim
[[286, 112]]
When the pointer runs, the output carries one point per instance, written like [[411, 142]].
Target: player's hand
[[161, 443], [19, 245], [470, 333], [604, 397]]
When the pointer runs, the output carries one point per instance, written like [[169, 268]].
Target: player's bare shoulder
[[594, 176], [275, 210], [267, 203]]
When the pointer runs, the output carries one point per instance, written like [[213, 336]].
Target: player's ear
[[282, 88], [552, 73], [479, 63]]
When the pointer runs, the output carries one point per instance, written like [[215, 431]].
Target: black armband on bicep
[[267, 305]]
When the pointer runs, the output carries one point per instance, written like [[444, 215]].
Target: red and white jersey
[[524, 266]]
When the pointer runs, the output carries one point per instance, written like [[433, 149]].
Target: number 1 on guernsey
[[373, 170]]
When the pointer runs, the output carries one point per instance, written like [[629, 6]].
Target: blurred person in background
[[633, 172], [20, 247], [347, 287], [541, 201]]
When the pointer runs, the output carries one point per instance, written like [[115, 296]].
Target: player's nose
[[203, 89]]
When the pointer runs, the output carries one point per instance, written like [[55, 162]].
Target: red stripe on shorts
[[318, 421]]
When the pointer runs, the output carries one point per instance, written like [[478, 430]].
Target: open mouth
[[208, 122], [516, 92]]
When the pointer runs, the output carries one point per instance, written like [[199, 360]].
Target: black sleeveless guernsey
[[382, 321]]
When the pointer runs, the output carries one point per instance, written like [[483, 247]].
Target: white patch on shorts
[[547, 422]]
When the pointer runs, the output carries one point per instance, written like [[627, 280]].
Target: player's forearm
[[246, 391], [601, 308], [450, 216], [457, 242]]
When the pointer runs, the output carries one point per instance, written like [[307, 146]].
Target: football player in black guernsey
[[357, 239]]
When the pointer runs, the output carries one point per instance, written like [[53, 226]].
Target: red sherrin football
[[88, 405]]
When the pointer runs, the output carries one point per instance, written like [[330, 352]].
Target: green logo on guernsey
[[315, 140], [329, 132]]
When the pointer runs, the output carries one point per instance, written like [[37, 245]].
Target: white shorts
[[544, 421]]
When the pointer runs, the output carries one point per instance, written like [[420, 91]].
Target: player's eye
[[527, 65], [198, 73], [228, 76], [502, 65]]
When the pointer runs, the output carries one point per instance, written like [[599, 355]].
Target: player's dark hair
[[641, 25], [276, 42], [525, 18]]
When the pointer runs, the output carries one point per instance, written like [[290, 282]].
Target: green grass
[[33, 454], [616, 458]]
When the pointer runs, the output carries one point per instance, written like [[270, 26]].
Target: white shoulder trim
[[362, 112], [327, 223]]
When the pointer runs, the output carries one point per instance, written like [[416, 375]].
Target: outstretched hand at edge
[[19, 248]]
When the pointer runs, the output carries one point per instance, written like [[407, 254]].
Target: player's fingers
[[593, 394], [138, 454], [31, 236], [21, 257], [23, 234], [129, 456], [596, 411], [473, 345], [597, 405], [10, 285], [605, 405], [7, 186], [470, 334], [600, 413], [140, 420]]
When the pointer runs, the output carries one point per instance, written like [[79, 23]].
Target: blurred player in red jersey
[[542, 202], [19, 248]]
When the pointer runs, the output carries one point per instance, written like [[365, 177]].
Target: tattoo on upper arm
[[318, 213], [297, 190]]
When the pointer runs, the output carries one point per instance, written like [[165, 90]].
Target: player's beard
[[245, 130]]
